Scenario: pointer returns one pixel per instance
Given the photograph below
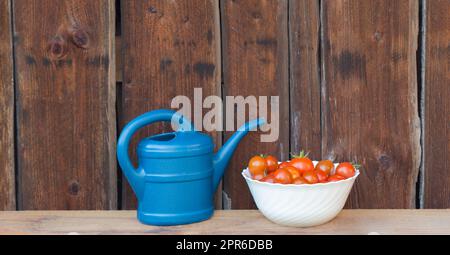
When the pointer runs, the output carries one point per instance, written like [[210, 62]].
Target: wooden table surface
[[224, 222]]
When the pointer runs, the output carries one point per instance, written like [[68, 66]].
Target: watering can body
[[177, 172]]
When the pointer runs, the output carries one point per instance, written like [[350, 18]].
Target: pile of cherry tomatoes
[[299, 170]]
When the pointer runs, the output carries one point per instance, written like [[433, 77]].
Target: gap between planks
[[119, 63]]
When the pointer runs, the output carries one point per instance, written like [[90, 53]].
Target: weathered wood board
[[7, 167], [305, 115], [437, 105], [369, 97], [225, 222], [64, 64]]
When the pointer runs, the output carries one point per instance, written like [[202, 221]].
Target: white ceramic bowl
[[304, 205]]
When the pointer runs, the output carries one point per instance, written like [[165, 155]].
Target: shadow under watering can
[[178, 172]]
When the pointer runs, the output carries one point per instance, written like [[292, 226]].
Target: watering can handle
[[133, 175]]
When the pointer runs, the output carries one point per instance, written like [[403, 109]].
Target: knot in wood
[[385, 161], [57, 47], [74, 188], [80, 38]]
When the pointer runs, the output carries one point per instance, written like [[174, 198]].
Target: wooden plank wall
[[7, 169], [357, 80], [65, 84]]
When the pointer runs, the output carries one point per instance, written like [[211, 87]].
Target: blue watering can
[[178, 172]]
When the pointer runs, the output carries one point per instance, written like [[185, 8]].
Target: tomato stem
[[355, 165], [302, 154]]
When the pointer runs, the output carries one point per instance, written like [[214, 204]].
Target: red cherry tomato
[[258, 176], [282, 176], [345, 169], [302, 163], [293, 171], [269, 179], [257, 165], [284, 164], [311, 177], [300, 180], [325, 165], [272, 163], [321, 175], [335, 178]]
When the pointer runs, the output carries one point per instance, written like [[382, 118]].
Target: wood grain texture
[[304, 46], [225, 222], [369, 101], [64, 55], [255, 60], [169, 48], [437, 105], [7, 169]]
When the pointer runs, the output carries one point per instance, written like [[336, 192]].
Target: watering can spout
[[222, 157]]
